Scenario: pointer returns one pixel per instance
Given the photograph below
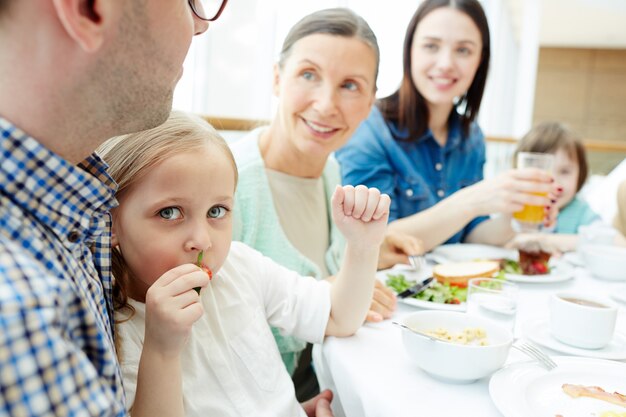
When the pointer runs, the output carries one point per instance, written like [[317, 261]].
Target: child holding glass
[[212, 352], [570, 173]]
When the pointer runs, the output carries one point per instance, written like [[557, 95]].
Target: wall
[[585, 88]]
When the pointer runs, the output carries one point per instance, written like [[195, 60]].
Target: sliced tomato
[[208, 272]]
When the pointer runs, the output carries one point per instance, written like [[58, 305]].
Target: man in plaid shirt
[[72, 74]]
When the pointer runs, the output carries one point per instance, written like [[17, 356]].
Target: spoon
[[427, 336]]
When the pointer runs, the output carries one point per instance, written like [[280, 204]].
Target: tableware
[[559, 271], [534, 352], [582, 320], [526, 389], [417, 262], [493, 299], [427, 336], [429, 305], [619, 294], [463, 252], [454, 362], [411, 275], [605, 261], [595, 234], [574, 258], [538, 331], [530, 218], [416, 289]]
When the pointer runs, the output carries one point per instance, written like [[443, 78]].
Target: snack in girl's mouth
[[534, 263], [204, 268]]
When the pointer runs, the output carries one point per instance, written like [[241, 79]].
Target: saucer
[[619, 294], [538, 331]]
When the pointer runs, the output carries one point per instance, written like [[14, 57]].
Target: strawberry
[[540, 268], [204, 268]]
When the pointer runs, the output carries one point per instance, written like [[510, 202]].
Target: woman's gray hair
[[337, 21]]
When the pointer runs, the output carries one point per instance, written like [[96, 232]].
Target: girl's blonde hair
[[131, 157], [549, 137]]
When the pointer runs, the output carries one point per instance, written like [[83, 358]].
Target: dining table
[[372, 375]]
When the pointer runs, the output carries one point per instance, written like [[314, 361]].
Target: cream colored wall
[[585, 88]]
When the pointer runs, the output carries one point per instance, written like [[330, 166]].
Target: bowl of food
[[455, 347], [605, 261]]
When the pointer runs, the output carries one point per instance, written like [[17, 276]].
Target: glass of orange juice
[[530, 218]]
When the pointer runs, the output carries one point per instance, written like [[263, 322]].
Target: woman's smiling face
[[326, 87], [445, 55], [180, 207]]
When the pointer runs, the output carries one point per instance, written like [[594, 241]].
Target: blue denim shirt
[[416, 175]]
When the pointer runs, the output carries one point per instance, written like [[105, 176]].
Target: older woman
[[325, 81]]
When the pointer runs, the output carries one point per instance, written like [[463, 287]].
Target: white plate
[[560, 271], [417, 276], [463, 252], [429, 305], [525, 389], [619, 294], [574, 258], [539, 332]]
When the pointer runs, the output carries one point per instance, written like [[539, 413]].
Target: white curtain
[[228, 71]]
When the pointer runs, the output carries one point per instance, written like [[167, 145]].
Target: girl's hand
[[510, 192], [172, 306], [361, 214]]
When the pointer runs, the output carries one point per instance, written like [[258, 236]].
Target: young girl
[[212, 353], [570, 173], [422, 145]]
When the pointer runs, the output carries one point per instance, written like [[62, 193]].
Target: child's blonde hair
[[131, 157], [549, 137]]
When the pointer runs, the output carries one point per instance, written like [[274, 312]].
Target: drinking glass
[[530, 218], [493, 299]]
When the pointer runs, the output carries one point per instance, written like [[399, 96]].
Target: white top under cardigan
[[231, 365]]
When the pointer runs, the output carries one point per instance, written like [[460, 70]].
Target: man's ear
[[114, 240], [83, 20]]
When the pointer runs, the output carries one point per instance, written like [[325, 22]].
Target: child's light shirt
[[231, 365], [575, 214]]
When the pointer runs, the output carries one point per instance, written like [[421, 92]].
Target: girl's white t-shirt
[[231, 365]]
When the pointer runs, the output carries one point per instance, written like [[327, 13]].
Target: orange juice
[[531, 214]]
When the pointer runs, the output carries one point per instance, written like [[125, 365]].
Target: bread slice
[[458, 273]]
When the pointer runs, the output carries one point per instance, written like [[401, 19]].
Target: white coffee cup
[[582, 320]]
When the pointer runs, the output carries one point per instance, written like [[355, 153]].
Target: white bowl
[[605, 261], [453, 362]]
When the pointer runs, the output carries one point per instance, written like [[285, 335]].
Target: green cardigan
[[256, 224]]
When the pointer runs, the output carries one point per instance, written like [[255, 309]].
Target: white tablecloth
[[372, 376]]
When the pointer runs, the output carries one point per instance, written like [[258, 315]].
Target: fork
[[534, 352], [417, 262]]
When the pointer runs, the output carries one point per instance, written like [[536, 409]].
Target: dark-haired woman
[[422, 146]]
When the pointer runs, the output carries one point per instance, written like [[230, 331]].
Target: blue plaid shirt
[[57, 356]]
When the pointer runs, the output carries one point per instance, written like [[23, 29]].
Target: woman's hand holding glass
[[172, 307], [510, 191]]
